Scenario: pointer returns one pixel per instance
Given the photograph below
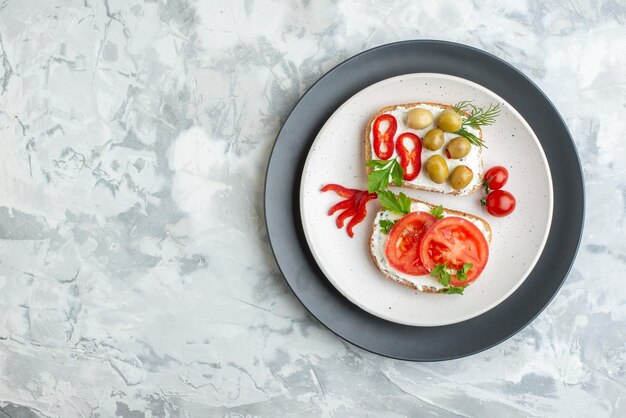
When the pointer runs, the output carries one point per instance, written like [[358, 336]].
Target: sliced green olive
[[449, 121], [419, 118], [433, 140], [460, 177], [437, 169], [458, 147]]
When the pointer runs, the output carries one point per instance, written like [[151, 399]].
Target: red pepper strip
[[358, 204], [354, 206], [344, 204], [384, 137], [340, 190], [361, 213], [345, 215], [411, 161]]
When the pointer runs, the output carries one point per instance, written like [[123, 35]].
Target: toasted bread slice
[[378, 240], [422, 182]]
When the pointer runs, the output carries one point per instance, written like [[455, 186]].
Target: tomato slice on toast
[[455, 241], [402, 248]]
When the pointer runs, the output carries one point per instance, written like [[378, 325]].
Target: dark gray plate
[[317, 294]]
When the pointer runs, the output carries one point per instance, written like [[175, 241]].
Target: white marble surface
[[136, 279]]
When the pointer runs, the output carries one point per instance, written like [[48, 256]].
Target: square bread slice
[[378, 240], [423, 182]]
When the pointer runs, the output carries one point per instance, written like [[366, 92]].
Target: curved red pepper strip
[[345, 215], [385, 137], [411, 161], [340, 190], [361, 211], [344, 204], [354, 221], [371, 196], [353, 206]]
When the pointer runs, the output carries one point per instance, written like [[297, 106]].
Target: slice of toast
[[425, 284], [476, 153]]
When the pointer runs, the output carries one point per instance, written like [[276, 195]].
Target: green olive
[[437, 169], [419, 118], [433, 140], [449, 121], [460, 177], [458, 147]]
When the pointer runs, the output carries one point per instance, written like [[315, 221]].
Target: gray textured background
[[135, 274]]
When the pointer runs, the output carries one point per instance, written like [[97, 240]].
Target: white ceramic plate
[[337, 156]]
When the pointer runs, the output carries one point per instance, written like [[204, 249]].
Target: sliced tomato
[[410, 160], [383, 135], [454, 241], [402, 248]]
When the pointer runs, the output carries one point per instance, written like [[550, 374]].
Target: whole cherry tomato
[[496, 177], [500, 203]]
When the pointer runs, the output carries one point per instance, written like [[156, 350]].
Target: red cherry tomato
[[383, 139], [411, 161], [500, 203], [402, 248], [496, 177], [455, 241]]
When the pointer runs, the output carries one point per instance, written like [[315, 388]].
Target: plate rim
[[579, 221], [544, 238]]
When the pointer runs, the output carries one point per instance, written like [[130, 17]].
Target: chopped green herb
[[378, 178], [437, 212], [454, 290], [441, 274], [462, 274], [386, 225], [400, 204]]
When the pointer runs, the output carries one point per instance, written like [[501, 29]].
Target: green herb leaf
[[462, 274], [441, 274], [386, 225], [454, 290], [378, 178], [475, 117], [400, 204], [462, 108], [377, 163], [473, 139], [397, 173], [437, 212], [482, 116]]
